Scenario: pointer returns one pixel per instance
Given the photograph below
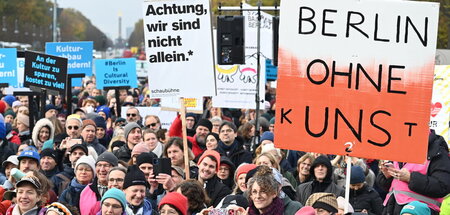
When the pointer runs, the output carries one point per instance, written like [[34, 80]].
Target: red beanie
[[244, 169], [2, 106], [213, 153], [176, 200]]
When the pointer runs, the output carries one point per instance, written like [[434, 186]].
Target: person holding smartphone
[[407, 182]]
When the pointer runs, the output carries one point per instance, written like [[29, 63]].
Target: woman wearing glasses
[[84, 174], [113, 202]]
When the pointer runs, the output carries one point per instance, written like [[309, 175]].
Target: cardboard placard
[[179, 49], [355, 77], [45, 71], [118, 72], [78, 54], [8, 66]]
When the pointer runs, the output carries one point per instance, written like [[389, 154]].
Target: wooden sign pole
[[185, 144]]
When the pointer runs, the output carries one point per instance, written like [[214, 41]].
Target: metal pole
[[258, 72], [54, 21]]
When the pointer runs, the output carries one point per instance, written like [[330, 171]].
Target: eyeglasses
[[118, 180], [114, 206], [151, 125], [73, 127], [103, 165], [131, 114], [83, 170]]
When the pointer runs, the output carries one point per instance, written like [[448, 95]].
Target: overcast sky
[[104, 13]]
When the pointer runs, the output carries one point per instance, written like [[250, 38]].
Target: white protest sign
[[236, 84], [355, 77], [166, 117], [179, 48], [440, 107]]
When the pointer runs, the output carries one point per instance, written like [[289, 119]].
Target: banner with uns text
[[355, 77], [178, 45]]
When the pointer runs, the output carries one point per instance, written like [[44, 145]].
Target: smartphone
[[221, 211], [162, 165]]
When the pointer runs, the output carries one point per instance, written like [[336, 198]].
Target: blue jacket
[[71, 195]]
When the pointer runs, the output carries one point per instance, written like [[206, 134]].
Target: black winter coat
[[366, 198], [216, 190], [123, 153]]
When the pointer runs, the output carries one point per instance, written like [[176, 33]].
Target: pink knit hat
[[139, 148]]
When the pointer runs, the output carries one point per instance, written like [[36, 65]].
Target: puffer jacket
[[39, 125]]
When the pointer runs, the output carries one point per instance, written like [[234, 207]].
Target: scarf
[[228, 149], [275, 208], [320, 187], [158, 150], [131, 209]]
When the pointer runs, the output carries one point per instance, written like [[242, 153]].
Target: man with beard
[[203, 127], [133, 136], [208, 166], [322, 172]]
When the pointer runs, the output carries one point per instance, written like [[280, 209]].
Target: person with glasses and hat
[[84, 174], [113, 202], [92, 194], [62, 179]]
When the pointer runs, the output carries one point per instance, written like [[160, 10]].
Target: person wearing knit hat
[[415, 208], [84, 174], [240, 175], [208, 166], [133, 136], [89, 135], [137, 150], [135, 186], [23, 126], [102, 136], [173, 201], [104, 112], [113, 202], [226, 171], [16, 105], [9, 99], [323, 203], [144, 162], [306, 210], [93, 192], [321, 172], [9, 116], [341, 206], [363, 197], [48, 163], [266, 137], [203, 127], [272, 124], [101, 101], [50, 111], [43, 130]]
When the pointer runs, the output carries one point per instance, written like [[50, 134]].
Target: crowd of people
[[93, 161]]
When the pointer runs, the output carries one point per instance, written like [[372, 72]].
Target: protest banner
[[45, 71], [355, 77], [8, 66], [78, 54], [440, 107], [166, 117], [236, 84], [193, 105], [179, 48], [119, 72]]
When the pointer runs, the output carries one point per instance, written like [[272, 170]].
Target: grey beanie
[[108, 157], [130, 127]]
